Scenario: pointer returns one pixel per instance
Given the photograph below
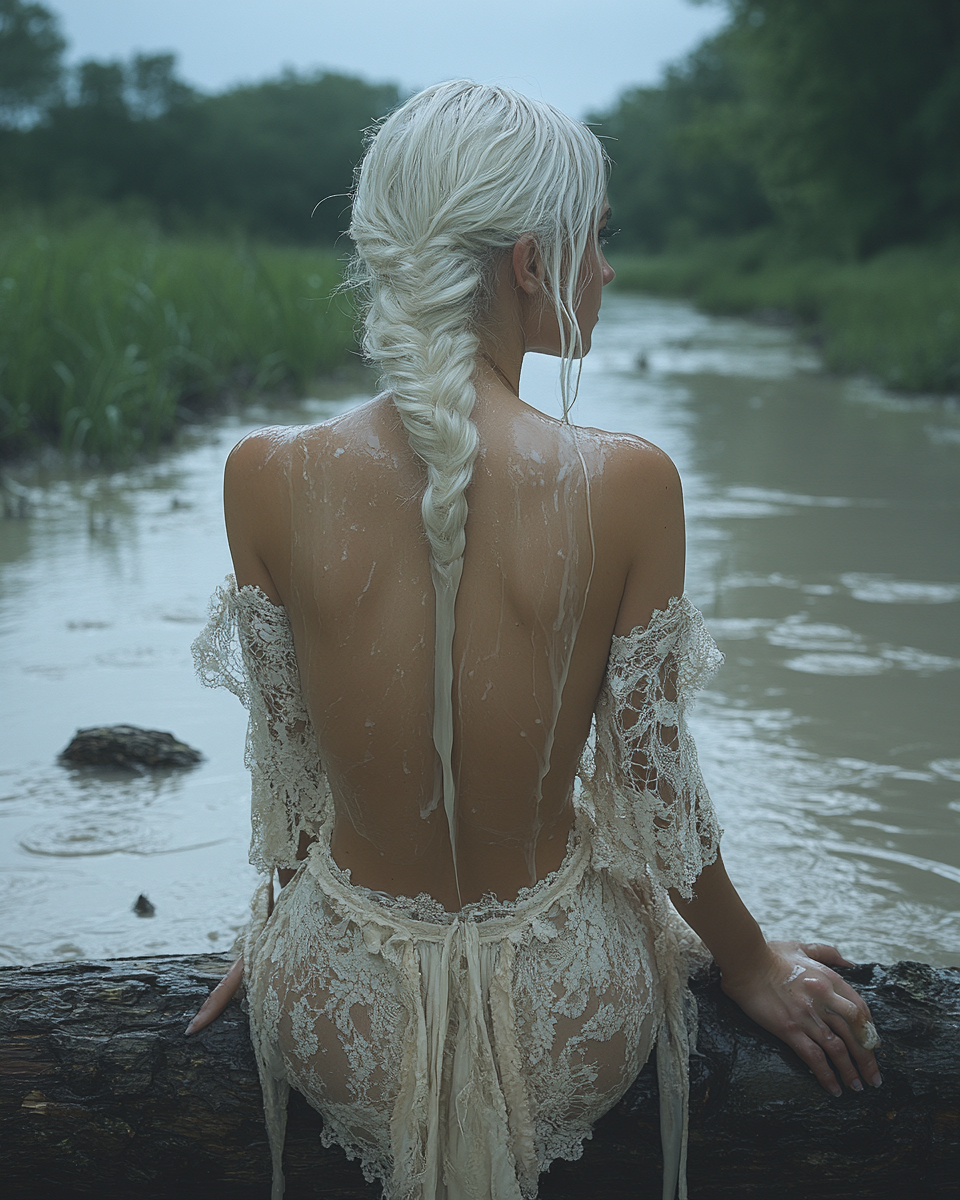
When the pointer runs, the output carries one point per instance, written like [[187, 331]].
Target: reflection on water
[[823, 530]]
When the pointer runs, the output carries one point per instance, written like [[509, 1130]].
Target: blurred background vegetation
[[804, 164], [160, 245]]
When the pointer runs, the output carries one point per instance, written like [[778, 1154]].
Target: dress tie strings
[[476, 1143]]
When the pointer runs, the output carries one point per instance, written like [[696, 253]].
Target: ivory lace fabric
[[458, 1054]]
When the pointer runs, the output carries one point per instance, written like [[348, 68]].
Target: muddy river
[[824, 549]]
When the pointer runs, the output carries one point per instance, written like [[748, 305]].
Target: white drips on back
[[451, 181]]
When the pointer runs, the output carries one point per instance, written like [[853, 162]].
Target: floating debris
[[143, 908], [129, 746]]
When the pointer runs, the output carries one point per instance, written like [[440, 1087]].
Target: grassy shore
[[110, 332], [895, 317]]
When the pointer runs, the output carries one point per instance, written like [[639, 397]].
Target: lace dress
[[458, 1054]]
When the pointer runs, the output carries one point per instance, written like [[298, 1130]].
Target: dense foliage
[[30, 50], [110, 332], [682, 170], [836, 121], [260, 157], [806, 160]]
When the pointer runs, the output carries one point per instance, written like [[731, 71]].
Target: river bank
[[894, 317], [112, 332]]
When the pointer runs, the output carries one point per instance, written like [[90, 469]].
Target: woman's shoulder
[[629, 466], [637, 522], [260, 448], [278, 446]]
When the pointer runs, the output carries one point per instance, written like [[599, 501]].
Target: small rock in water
[[129, 746], [142, 907]]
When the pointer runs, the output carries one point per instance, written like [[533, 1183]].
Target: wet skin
[[325, 520]]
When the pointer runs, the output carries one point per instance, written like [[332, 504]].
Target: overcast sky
[[573, 53]]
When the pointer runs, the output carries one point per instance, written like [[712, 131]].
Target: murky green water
[[824, 529]]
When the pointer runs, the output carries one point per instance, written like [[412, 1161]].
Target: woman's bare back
[[326, 519]]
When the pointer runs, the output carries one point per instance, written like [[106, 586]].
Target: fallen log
[[100, 1093]]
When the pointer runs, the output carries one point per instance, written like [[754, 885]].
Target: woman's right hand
[[793, 993]]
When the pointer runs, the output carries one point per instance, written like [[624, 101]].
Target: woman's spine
[[419, 327]]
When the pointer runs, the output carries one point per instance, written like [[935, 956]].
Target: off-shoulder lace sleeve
[[247, 647], [642, 780]]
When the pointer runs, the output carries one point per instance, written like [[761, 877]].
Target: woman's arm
[[253, 505], [787, 987]]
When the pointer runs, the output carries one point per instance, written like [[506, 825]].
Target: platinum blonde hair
[[450, 181]]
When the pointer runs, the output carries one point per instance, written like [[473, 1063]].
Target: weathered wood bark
[[100, 1093]]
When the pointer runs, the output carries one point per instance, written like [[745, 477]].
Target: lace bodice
[[642, 793]]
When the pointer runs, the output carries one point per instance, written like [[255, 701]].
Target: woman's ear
[[527, 267]]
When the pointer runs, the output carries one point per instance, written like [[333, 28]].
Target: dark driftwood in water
[[128, 746], [100, 1093]]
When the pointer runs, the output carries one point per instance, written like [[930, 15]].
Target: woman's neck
[[497, 378], [504, 378]]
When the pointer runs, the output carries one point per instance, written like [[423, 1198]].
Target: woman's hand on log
[[795, 995], [218, 999]]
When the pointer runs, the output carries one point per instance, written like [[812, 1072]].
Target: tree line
[[257, 157], [835, 124]]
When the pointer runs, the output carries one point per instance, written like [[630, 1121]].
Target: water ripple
[[930, 865], [845, 665], [882, 589]]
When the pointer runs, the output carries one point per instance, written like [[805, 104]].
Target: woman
[[437, 596]]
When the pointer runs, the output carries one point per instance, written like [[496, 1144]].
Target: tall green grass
[[110, 331], [895, 317]]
